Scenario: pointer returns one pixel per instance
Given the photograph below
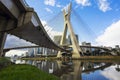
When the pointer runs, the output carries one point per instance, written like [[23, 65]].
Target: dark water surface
[[79, 70]]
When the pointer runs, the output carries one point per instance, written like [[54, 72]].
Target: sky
[[100, 19]]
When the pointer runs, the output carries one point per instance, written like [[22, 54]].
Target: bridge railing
[[24, 2], [37, 20], [35, 16]]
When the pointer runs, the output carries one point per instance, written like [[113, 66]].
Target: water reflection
[[80, 70]]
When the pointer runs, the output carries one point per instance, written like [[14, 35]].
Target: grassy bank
[[24, 72], [10, 71]]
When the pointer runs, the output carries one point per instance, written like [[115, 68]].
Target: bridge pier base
[[75, 55], [59, 54], [3, 36]]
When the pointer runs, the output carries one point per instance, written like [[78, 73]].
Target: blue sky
[[97, 14], [97, 21], [100, 20]]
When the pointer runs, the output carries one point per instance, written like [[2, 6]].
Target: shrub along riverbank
[[4, 62], [24, 72]]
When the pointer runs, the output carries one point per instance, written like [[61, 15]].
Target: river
[[78, 70]]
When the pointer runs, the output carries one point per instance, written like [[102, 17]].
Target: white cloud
[[83, 2], [111, 74], [111, 35], [48, 10], [50, 2], [15, 52], [104, 5], [58, 5]]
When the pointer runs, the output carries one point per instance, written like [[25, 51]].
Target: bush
[[4, 62]]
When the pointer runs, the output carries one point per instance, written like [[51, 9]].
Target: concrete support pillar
[[3, 26], [3, 36], [68, 27], [6, 24]]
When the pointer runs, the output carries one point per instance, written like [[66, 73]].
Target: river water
[[78, 70]]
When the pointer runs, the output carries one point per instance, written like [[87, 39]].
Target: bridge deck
[[24, 23]]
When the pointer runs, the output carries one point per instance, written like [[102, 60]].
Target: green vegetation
[[24, 72], [10, 71], [4, 62]]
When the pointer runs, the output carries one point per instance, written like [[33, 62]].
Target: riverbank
[[81, 58], [23, 72], [41, 58], [98, 58]]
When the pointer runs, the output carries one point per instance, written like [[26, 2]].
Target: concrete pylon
[[68, 27], [3, 36], [4, 23]]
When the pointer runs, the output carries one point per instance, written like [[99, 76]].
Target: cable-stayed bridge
[[22, 21], [18, 19]]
